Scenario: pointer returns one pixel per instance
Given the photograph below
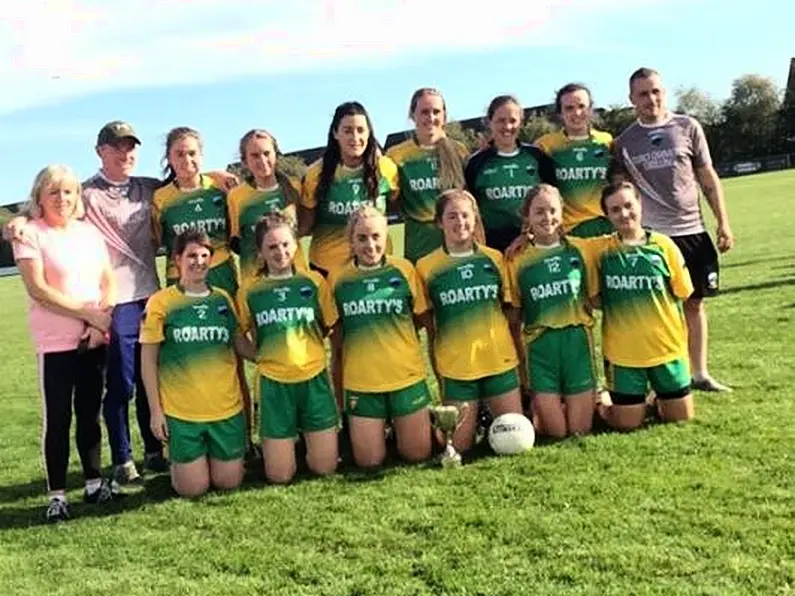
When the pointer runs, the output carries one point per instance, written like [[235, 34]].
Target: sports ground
[[702, 508]]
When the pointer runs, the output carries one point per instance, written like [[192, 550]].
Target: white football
[[510, 434]]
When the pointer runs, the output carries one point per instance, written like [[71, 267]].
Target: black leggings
[[62, 377]]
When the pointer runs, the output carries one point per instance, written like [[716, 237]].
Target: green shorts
[[388, 404], [224, 440], [420, 238], [289, 408], [484, 387], [628, 385], [598, 226], [561, 361], [222, 276]]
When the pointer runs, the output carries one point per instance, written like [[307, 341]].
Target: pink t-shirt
[[72, 260]]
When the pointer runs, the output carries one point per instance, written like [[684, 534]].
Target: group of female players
[[507, 254]]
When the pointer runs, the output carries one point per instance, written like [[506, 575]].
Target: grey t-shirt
[[661, 160], [123, 214]]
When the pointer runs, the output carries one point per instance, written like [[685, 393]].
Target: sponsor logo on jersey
[[635, 282], [345, 207], [373, 306], [422, 184], [582, 173], [208, 226], [201, 334], [287, 314], [517, 191], [478, 293], [552, 289]]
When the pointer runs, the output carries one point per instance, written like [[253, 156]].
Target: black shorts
[[701, 259]]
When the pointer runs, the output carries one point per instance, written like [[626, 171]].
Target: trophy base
[[450, 458]]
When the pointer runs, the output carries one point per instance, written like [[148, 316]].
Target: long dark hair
[[174, 135], [332, 155], [290, 194]]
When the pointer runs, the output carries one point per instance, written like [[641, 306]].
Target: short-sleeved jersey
[[381, 350], [246, 206], [662, 160], [329, 248], [472, 339], [500, 182], [641, 289], [175, 211], [197, 370], [580, 171], [550, 286], [418, 174], [289, 318]]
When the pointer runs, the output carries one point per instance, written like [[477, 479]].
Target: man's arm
[[713, 191]]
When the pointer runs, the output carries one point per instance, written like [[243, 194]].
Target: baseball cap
[[115, 131]]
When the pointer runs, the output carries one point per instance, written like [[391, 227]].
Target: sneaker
[[57, 510], [103, 494], [155, 462], [707, 383], [126, 473]]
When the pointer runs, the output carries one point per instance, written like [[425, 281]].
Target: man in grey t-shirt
[[667, 157]]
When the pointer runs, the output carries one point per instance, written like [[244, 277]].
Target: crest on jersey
[[218, 199], [488, 267], [281, 293], [656, 260], [574, 262], [394, 281], [223, 309], [599, 152], [656, 137], [531, 170], [201, 310], [305, 292]]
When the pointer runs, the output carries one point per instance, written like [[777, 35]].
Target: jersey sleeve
[[154, 321], [499, 262], [423, 268], [309, 185], [512, 281], [29, 248], [701, 155], [233, 214], [245, 318], [592, 250], [416, 287], [389, 171], [546, 167], [157, 228], [543, 143], [681, 283], [328, 308]]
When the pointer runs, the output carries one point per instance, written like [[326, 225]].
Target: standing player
[[290, 311], [640, 279], [119, 206], [500, 175], [268, 190], [468, 332], [350, 173], [581, 155], [667, 157], [553, 322], [376, 353], [189, 338], [428, 163]]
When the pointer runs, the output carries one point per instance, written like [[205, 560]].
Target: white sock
[[58, 494], [93, 485], [700, 375]]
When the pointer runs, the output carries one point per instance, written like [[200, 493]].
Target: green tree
[[694, 102], [467, 136], [535, 127], [614, 119], [751, 115]]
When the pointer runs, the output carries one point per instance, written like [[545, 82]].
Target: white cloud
[[52, 49]]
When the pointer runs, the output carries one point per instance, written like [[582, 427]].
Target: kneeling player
[[188, 342], [471, 342], [290, 311], [377, 355], [639, 276], [553, 317]]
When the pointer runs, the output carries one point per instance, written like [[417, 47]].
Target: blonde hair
[[364, 211], [479, 234], [532, 194], [48, 176]]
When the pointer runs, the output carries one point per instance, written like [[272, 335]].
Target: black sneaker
[[57, 510], [107, 491], [155, 462]]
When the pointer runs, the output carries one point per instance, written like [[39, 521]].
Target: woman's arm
[[515, 322], [37, 287], [336, 364], [306, 220], [426, 320], [109, 287], [149, 373], [244, 347]]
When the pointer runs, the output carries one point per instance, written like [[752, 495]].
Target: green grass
[[702, 508]]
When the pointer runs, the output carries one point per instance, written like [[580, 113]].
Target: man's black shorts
[[701, 259]]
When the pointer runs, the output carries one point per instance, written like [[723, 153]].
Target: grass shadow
[[765, 285], [750, 262]]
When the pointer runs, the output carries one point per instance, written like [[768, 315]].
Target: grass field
[[703, 508]]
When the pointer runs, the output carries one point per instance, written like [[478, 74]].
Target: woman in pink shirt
[[68, 277]]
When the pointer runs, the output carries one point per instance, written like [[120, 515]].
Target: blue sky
[[223, 67]]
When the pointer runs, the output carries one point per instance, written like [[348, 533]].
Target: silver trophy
[[447, 419]]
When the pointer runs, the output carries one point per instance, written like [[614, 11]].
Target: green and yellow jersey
[[381, 350], [466, 293], [580, 172], [289, 319], [329, 248], [641, 289], [175, 211], [550, 286], [247, 205], [419, 188], [197, 366]]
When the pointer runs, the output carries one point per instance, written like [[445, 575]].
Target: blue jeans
[[122, 377]]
